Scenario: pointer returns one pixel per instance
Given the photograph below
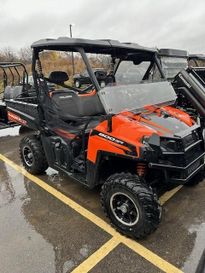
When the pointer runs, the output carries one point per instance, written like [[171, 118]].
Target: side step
[[79, 164]]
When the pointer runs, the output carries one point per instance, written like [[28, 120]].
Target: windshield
[[129, 72], [136, 96], [125, 69], [173, 65], [132, 82]]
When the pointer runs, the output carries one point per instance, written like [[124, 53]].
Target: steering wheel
[[88, 88]]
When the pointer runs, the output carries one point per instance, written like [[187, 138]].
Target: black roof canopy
[[90, 46]]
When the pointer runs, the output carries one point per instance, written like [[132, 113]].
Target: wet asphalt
[[40, 234]]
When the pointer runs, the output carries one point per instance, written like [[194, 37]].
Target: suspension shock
[[141, 168]]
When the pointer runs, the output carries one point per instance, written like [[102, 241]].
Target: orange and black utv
[[127, 138], [13, 74]]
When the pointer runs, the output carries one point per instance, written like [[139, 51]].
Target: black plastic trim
[[164, 166]]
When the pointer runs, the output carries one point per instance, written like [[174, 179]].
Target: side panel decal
[[115, 140], [15, 118]]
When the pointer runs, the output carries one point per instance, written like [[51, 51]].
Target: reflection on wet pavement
[[192, 261], [7, 192], [39, 232], [181, 238]]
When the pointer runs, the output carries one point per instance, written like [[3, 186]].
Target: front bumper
[[180, 175]]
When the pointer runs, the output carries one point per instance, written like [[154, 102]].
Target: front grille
[[185, 151], [190, 139], [193, 153], [193, 167], [181, 158]]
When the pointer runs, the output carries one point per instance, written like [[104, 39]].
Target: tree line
[[23, 55]]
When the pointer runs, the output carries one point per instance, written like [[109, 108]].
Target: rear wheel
[[131, 205], [32, 155], [77, 84], [102, 84]]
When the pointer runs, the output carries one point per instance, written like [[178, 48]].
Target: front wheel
[[131, 205], [32, 155]]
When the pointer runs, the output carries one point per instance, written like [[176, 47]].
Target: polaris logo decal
[[130, 149], [113, 139], [65, 97]]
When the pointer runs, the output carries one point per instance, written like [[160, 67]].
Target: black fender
[[99, 171]]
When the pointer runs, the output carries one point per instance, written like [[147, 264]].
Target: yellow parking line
[[150, 256], [66, 200], [97, 256], [138, 248], [167, 195]]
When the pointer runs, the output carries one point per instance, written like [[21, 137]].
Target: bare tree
[[25, 55], [7, 54]]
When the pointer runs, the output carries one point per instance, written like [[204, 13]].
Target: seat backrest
[[58, 77], [70, 103]]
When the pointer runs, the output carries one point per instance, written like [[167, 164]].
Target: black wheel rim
[[124, 209], [102, 84], [28, 156]]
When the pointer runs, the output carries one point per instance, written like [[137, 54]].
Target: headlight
[[153, 141], [169, 145]]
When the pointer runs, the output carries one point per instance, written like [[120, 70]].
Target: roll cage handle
[[13, 66]]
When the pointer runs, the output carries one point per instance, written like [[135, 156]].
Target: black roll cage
[[37, 72], [12, 68]]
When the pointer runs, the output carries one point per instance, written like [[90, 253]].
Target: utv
[[173, 61], [187, 78], [13, 85], [126, 138], [196, 60]]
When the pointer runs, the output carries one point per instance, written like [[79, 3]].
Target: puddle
[[39, 229], [193, 260]]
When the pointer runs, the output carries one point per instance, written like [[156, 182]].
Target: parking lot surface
[[51, 224]]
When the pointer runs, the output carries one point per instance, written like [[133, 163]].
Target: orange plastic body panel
[[177, 113], [131, 128], [64, 133], [90, 94], [124, 128]]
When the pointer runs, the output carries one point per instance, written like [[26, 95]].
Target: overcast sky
[[161, 23]]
